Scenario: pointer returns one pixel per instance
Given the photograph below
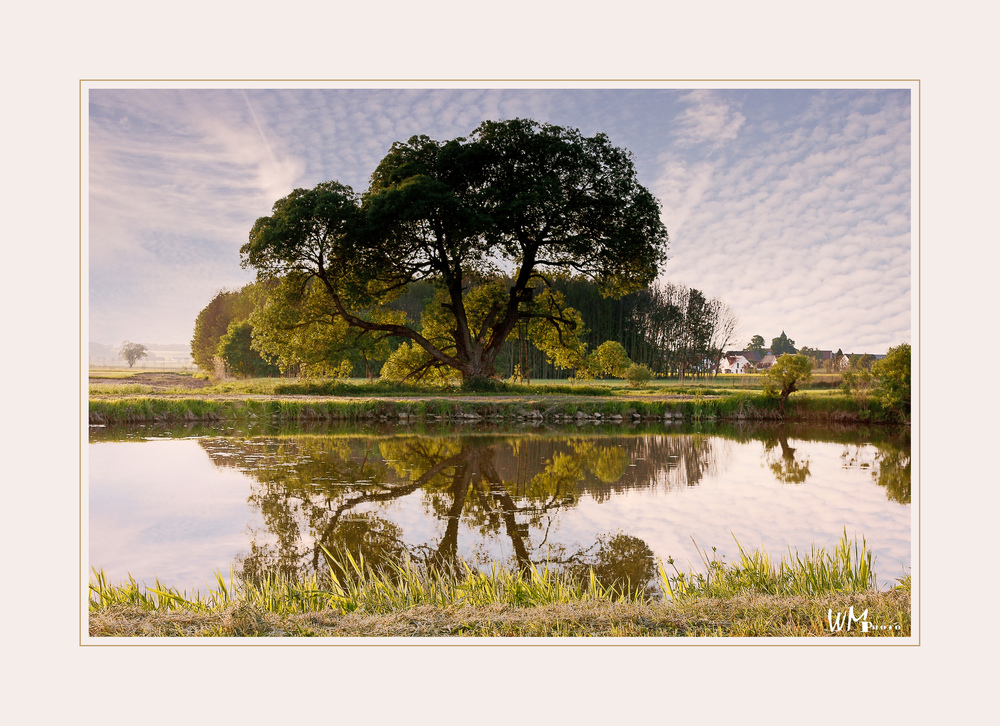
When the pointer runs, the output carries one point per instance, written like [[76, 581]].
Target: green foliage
[[786, 376], [862, 362], [611, 360], [812, 354], [554, 329], [857, 382], [308, 225], [638, 376], [622, 563], [607, 319], [360, 596], [294, 327], [354, 584], [240, 358], [756, 343], [227, 307], [410, 362], [684, 333], [132, 352], [893, 376], [839, 362], [558, 331], [885, 386], [782, 345], [486, 385]]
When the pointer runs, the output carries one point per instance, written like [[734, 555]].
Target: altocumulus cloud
[[799, 222], [793, 206]]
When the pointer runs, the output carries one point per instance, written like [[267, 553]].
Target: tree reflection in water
[[786, 468], [342, 492], [889, 462], [883, 452], [316, 492]]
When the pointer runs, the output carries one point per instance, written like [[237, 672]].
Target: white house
[[734, 364]]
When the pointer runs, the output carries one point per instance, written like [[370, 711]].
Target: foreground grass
[[758, 598], [749, 615]]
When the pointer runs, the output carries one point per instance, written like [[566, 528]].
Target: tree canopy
[[786, 375], [893, 376], [540, 200], [783, 345]]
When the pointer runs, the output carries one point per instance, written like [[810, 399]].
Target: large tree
[[541, 200]]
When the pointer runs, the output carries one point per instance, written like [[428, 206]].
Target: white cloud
[[806, 229], [707, 119]]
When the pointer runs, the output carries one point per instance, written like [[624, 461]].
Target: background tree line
[[671, 329]]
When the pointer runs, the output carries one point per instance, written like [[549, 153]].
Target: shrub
[[892, 375], [611, 359], [886, 385], [638, 376]]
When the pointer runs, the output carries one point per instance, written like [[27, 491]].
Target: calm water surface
[[179, 505]]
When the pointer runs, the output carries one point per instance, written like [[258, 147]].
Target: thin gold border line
[[700, 643]]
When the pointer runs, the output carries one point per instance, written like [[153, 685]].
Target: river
[[180, 504]]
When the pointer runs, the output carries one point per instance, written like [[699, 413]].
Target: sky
[[792, 205]]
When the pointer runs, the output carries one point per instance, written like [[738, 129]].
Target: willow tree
[[541, 200]]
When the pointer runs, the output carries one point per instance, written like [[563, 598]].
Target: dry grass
[[745, 615]]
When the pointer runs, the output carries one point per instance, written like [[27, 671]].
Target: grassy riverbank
[[171, 397], [798, 596], [750, 406]]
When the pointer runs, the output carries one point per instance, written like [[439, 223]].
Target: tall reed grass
[[350, 585], [848, 569], [360, 588]]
